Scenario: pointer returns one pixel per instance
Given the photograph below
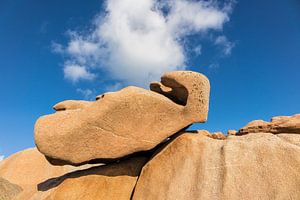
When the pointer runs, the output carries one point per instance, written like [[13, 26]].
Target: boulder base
[[254, 166]]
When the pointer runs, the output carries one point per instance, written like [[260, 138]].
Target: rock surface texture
[[8, 190], [28, 168], [27, 175], [124, 122], [253, 166], [193, 165], [280, 124], [116, 181]]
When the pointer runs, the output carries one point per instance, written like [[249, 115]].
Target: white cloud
[[214, 66], [113, 87], [135, 41], [76, 72], [198, 50], [57, 48], [87, 93], [225, 44], [194, 16], [1, 157]]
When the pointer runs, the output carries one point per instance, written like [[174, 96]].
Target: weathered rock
[[27, 169], [111, 182], [218, 135], [280, 124], [231, 132], [71, 105], [28, 175], [8, 190], [200, 132], [121, 123], [253, 166]]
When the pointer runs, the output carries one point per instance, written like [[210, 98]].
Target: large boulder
[[124, 122], [280, 124], [252, 166]]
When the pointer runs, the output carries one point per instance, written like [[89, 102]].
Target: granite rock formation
[[107, 182], [28, 168], [252, 166], [141, 133], [27, 175], [192, 165], [279, 124], [124, 122], [8, 190]]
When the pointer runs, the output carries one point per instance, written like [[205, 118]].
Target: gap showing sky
[[57, 50]]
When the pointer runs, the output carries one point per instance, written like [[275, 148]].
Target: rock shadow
[[128, 167]]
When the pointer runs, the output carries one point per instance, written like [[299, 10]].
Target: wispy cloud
[[198, 50], [113, 87], [214, 66], [225, 44], [57, 48], [87, 94], [136, 41]]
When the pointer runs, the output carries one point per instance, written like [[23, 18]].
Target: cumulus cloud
[[135, 41], [1, 157], [225, 44], [75, 72]]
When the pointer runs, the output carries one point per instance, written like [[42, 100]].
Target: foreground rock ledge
[[124, 122], [253, 166], [27, 175]]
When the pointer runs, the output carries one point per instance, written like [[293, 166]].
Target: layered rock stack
[[133, 144]]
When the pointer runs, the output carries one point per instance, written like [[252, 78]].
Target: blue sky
[[252, 58]]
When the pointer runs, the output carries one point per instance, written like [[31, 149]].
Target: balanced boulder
[[124, 122]]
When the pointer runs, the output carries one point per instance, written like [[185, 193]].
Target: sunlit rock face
[[26, 170], [279, 124], [121, 123], [260, 163], [252, 166], [27, 175]]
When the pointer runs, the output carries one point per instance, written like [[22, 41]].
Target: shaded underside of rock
[[280, 124], [8, 190], [254, 166], [124, 122], [111, 182]]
